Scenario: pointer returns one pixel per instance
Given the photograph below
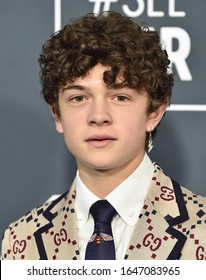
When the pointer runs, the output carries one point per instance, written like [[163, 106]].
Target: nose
[[99, 114]]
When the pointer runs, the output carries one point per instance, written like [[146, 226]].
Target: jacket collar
[[156, 235]]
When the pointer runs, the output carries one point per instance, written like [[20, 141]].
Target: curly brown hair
[[130, 50]]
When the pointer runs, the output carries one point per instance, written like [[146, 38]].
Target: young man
[[107, 83]]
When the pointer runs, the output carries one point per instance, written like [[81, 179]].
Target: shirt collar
[[133, 189], [84, 200]]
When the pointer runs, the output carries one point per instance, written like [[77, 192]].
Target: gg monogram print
[[50, 232]]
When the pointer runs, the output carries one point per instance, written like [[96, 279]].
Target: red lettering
[[61, 236], [200, 253], [19, 247], [152, 242], [167, 193]]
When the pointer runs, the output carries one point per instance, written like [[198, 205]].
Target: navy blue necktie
[[101, 244]]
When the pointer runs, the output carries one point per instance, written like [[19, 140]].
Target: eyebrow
[[70, 87]]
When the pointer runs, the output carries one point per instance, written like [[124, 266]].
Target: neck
[[102, 182]]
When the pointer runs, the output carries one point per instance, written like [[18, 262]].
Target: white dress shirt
[[128, 199]]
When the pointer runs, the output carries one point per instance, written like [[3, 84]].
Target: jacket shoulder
[[20, 233], [37, 216], [196, 204]]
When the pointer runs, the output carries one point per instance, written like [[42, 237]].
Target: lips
[[100, 141], [100, 138]]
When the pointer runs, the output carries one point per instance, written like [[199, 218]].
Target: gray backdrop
[[34, 162]]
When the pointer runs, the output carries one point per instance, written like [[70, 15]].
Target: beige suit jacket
[[172, 225]]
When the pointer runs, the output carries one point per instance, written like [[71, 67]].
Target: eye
[[121, 98], [77, 98]]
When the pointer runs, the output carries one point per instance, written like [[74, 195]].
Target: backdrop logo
[[98, 5], [168, 34]]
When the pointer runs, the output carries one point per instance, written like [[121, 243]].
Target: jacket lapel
[[58, 239], [156, 235]]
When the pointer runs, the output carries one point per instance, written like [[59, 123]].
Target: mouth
[[100, 141]]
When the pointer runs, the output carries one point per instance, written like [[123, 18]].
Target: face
[[104, 128]]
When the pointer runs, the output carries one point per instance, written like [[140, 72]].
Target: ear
[[57, 120], [155, 117]]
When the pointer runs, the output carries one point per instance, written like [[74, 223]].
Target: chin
[[101, 166]]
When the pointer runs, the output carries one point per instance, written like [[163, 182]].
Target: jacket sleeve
[[7, 251]]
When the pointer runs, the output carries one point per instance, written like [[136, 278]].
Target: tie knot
[[102, 211]]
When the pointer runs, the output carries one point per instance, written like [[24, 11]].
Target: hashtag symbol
[[106, 6]]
